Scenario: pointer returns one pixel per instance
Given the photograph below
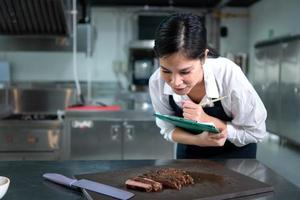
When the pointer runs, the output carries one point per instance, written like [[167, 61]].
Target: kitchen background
[[113, 63]]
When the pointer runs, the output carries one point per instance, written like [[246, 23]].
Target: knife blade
[[89, 185]]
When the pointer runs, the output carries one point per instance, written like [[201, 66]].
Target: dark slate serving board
[[213, 182]]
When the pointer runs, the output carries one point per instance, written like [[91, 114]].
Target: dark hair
[[182, 32]]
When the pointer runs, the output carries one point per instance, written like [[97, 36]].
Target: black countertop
[[27, 182]]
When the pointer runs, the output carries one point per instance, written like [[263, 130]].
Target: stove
[[32, 137], [34, 128]]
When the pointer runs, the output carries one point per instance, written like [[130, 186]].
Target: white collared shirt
[[222, 77]]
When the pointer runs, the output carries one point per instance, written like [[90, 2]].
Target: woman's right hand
[[207, 139]]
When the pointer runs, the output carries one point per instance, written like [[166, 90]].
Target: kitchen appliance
[[31, 137], [33, 130], [148, 21], [142, 69], [142, 62], [44, 25], [89, 185], [142, 58]]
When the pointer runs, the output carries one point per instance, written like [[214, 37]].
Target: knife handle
[[60, 179]]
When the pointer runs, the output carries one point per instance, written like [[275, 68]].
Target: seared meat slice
[[156, 186], [136, 185]]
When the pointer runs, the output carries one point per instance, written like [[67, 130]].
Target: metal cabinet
[[290, 91], [142, 140], [266, 82], [277, 81], [272, 77], [95, 139], [116, 135]]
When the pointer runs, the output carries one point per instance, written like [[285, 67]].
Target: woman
[[190, 74]]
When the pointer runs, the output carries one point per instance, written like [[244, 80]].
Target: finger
[[188, 116], [194, 109], [189, 104], [205, 134], [219, 136], [189, 110], [216, 136]]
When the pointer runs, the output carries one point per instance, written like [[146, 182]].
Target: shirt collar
[[211, 88]]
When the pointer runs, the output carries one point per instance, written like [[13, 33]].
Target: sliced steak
[[170, 177], [136, 185], [163, 178], [156, 186]]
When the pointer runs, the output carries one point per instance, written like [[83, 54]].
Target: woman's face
[[181, 73]]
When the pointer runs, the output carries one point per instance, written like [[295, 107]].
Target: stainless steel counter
[[115, 135]]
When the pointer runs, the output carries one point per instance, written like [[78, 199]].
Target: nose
[[176, 80]]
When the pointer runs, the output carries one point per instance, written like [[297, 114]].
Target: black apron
[[229, 150]]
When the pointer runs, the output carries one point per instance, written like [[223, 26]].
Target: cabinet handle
[[115, 132], [32, 140], [129, 132], [296, 90]]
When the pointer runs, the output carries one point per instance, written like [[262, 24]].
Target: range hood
[[41, 25]]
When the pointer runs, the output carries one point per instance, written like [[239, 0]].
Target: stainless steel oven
[[28, 137], [34, 128]]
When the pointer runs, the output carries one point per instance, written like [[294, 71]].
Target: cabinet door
[[96, 139], [290, 91], [258, 78], [142, 140], [271, 90]]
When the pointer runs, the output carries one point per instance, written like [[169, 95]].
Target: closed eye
[[182, 72], [185, 72], [164, 70]]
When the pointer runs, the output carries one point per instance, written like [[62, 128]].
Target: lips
[[179, 89]]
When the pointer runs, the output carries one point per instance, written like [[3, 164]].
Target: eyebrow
[[184, 69]]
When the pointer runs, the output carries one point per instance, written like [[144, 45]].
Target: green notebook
[[190, 125]]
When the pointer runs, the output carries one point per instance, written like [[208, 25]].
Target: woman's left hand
[[207, 139], [219, 138], [193, 111]]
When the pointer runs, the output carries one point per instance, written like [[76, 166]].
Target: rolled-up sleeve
[[247, 110], [248, 124]]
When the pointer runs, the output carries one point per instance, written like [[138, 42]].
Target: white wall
[[236, 21], [272, 18], [37, 66]]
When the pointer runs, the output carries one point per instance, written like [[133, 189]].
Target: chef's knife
[[89, 185]]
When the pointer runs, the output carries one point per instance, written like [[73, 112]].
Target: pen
[[212, 101]]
